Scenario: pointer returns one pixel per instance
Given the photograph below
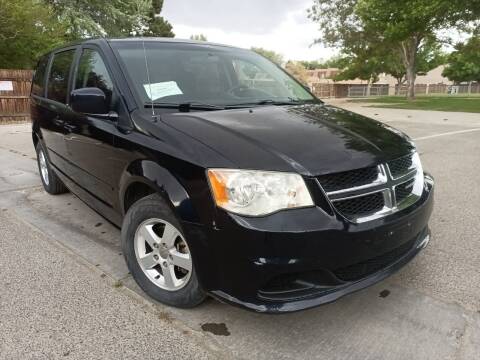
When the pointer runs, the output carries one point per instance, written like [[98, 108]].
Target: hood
[[309, 139]]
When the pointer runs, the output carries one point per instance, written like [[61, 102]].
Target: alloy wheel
[[163, 254]]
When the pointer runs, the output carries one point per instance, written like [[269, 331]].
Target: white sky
[[278, 25]]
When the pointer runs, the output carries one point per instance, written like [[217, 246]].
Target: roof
[[138, 39], [167, 39]]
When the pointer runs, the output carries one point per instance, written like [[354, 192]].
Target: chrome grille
[[373, 192]]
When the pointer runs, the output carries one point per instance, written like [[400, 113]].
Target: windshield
[[182, 73]]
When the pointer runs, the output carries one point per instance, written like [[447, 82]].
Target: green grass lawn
[[439, 103]]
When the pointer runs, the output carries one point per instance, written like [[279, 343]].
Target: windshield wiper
[[186, 106], [268, 102], [275, 102]]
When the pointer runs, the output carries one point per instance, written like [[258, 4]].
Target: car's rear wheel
[[158, 255], [51, 183]]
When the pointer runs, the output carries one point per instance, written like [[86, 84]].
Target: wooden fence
[[14, 95]]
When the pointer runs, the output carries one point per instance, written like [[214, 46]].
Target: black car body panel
[[311, 256], [325, 138], [285, 261]]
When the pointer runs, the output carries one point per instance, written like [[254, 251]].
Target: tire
[[51, 182], [151, 221]]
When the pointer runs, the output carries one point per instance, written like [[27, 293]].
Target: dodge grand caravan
[[227, 176]]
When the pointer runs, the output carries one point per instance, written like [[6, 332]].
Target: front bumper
[[298, 259]]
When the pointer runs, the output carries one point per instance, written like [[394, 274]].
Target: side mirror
[[89, 100]]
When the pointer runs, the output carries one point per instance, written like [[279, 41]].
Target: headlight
[[255, 193], [419, 178]]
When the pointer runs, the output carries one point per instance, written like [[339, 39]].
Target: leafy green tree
[[269, 54], [464, 62], [27, 30], [430, 56], [112, 18], [380, 58], [334, 62], [156, 24], [90, 18], [365, 63], [406, 25], [199, 37], [312, 65]]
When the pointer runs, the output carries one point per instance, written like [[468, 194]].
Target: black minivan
[[226, 175]]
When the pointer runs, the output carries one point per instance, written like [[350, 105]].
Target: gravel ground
[[53, 306]]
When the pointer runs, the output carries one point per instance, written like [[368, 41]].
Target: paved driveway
[[429, 310]]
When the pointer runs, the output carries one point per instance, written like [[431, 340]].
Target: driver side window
[[92, 72]]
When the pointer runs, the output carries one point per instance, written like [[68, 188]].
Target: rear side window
[[92, 72], [38, 86], [58, 77]]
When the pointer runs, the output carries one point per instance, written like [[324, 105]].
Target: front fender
[[162, 181], [171, 189]]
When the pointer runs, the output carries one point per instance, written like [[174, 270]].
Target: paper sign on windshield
[[162, 89]]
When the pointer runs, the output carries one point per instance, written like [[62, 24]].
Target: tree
[[464, 62], [298, 71], [333, 62], [198, 37], [380, 58], [429, 57], [407, 25], [28, 29], [269, 54], [366, 62], [312, 65], [157, 25], [90, 18], [113, 18]]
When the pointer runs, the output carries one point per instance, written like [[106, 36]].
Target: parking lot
[[66, 291]]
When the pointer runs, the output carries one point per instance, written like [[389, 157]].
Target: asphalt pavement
[[65, 291]]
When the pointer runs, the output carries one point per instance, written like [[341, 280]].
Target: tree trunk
[[400, 81], [409, 55], [411, 76]]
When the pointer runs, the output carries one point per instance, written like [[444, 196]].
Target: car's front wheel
[[158, 255]]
